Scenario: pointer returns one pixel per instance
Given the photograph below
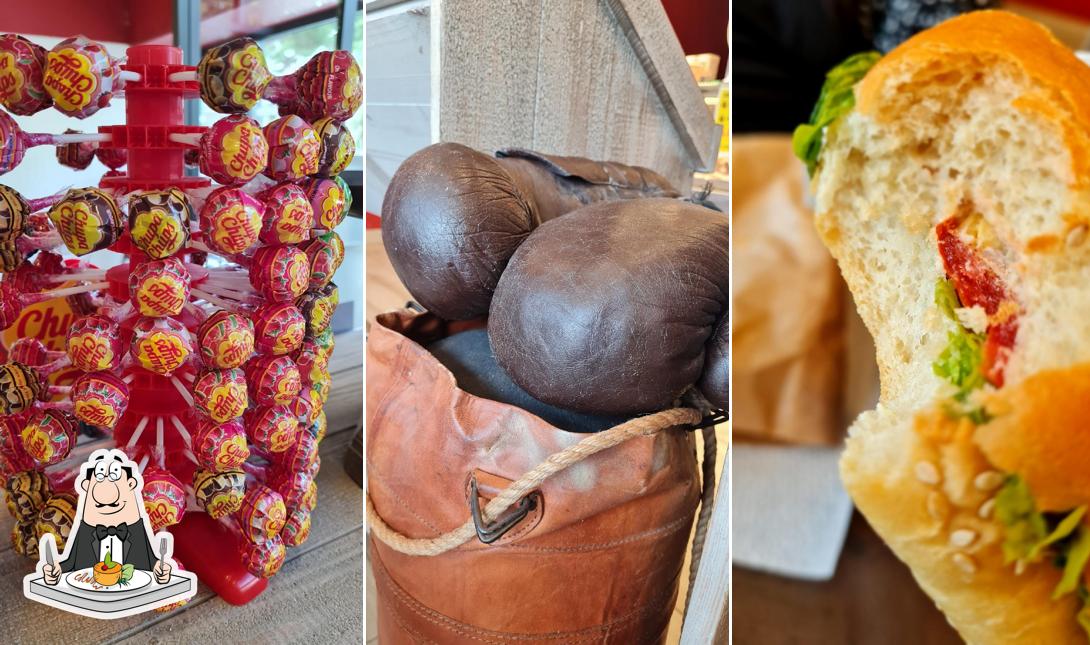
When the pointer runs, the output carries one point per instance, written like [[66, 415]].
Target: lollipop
[[24, 538], [320, 384], [93, 344], [273, 380], [233, 151], [328, 85], [318, 307], [289, 215], [22, 64], [336, 147], [112, 158], [159, 221], [280, 273], [160, 345], [77, 155], [279, 328], [296, 528], [293, 149], [27, 492], [231, 220], [300, 456], [13, 458], [327, 199], [221, 394], [226, 339], [233, 76], [82, 77], [160, 287], [319, 427], [164, 498], [87, 219], [307, 406], [310, 360], [325, 254], [295, 488], [99, 399], [31, 351], [264, 559], [20, 387], [56, 518], [219, 494], [221, 447], [272, 429], [49, 436], [262, 514]]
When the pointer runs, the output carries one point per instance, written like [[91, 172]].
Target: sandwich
[[952, 185]]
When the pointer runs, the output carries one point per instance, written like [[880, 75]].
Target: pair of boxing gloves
[[605, 293]]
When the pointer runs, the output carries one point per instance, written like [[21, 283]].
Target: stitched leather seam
[[401, 503], [585, 635], [661, 531]]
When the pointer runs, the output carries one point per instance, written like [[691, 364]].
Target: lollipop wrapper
[[99, 399], [327, 199], [278, 328], [221, 447], [27, 492], [272, 428], [273, 380], [233, 76], [293, 149], [262, 514], [159, 288], [20, 387], [75, 155], [164, 498], [226, 339], [56, 518], [93, 344], [160, 345], [280, 273], [231, 220], [49, 436], [264, 559], [80, 76], [159, 222], [336, 147], [22, 68], [289, 215], [221, 394], [219, 494], [233, 151], [87, 219], [330, 84], [14, 212]]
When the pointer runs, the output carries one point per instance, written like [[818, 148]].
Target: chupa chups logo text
[[68, 74]]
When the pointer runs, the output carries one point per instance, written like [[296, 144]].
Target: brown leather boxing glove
[[617, 308], [452, 216]]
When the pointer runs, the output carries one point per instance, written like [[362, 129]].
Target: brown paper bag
[[790, 307]]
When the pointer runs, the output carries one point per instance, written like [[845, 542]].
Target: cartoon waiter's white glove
[[162, 572], [52, 573]]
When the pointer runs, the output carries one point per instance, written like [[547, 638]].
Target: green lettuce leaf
[[836, 99], [959, 363], [1065, 528], [1078, 555], [1024, 526], [947, 299]]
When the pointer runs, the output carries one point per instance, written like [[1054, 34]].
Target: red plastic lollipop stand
[[153, 111]]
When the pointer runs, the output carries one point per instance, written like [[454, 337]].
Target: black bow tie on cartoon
[[102, 532]]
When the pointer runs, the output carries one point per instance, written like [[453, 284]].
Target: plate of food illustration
[[109, 576]]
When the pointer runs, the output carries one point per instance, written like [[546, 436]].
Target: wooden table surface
[[317, 596], [871, 599]]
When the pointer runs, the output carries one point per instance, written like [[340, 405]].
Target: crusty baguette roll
[[965, 163]]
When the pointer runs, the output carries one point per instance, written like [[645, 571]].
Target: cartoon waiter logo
[[111, 566]]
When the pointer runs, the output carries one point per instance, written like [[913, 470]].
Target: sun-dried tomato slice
[[978, 285]]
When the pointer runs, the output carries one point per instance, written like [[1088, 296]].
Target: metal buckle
[[490, 533]]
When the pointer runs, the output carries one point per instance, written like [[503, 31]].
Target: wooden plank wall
[[563, 78]]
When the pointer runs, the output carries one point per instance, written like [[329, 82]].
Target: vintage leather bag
[[596, 560]]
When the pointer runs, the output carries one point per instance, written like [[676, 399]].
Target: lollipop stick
[[180, 427], [183, 77], [143, 463], [230, 306], [188, 138], [160, 445], [185, 394], [78, 275], [78, 137], [136, 433], [71, 291], [128, 379], [127, 75], [189, 455]]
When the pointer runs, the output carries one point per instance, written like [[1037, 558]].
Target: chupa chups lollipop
[[300, 456], [310, 360], [232, 151], [296, 527], [13, 458], [318, 307], [327, 199], [336, 146], [273, 380], [231, 220], [22, 66], [293, 149], [27, 492], [328, 85], [87, 219], [307, 406], [293, 487], [20, 387], [226, 339], [49, 435], [278, 328], [219, 493], [280, 273], [112, 158], [271, 428], [76, 155], [33, 352], [24, 538], [99, 399], [56, 518], [81, 76], [220, 446], [324, 343], [289, 215], [93, 343], [14, 142], [233, 76], [159, 287], [319, 427], [325, 254], [264, 559], [221, 394], [160, 345], [164, 498], [159, 221], [262, 514], [320, 383]]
